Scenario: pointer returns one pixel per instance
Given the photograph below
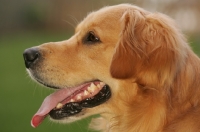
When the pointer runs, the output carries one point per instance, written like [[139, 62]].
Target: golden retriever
[[131, 66]]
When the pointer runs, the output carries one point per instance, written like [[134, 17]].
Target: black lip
[[73, 108]]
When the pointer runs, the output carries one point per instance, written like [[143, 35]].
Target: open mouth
[[71, 101]]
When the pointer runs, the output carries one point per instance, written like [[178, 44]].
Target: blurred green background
[[26, 23]]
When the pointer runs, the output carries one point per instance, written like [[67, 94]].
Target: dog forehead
[[104, 17]]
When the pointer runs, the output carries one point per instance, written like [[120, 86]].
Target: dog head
[[98, 70]]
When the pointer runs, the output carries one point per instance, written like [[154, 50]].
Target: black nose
[[30, 56]]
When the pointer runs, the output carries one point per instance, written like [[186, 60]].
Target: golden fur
[[152, 72]]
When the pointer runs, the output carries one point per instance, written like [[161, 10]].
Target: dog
[[132, 67]]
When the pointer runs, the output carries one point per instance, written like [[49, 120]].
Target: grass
[[19, 96]]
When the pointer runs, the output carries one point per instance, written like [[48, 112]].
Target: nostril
[[30, 56]]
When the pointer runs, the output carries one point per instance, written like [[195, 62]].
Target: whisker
[[75, 21], [69, 23]]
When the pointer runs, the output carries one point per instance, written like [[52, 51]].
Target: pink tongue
[[48, 104]]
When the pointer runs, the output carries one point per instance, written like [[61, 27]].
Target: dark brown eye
[[91, 38]]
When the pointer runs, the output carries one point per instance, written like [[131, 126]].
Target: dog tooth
[[86, 93], [92, 85], [72, 100], [91, 89], [79, 97], [59, 105], [102, 83], [98, 86], [88, 88]]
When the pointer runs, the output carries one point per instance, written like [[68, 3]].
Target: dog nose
[[30, 56]]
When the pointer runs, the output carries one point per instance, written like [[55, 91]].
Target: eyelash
[[91, 38]]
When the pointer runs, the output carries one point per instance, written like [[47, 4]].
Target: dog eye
[[91, 38]]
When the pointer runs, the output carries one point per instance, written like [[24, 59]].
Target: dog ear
[[128, 51], [149, 43]]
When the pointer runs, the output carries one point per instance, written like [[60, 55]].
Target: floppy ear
[[128, 51], [149, 44]]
